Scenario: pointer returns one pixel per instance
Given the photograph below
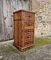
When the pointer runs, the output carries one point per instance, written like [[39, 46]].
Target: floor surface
[[9, 52]]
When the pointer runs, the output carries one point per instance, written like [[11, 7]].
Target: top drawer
[[28, 15]]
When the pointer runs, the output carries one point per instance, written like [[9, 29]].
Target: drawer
[[28, 43], [27, 30], [27, 15], [28, 23]]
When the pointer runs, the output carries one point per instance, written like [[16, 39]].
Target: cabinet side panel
[[20, 34], [16, 33]]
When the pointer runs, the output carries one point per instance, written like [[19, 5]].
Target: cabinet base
[[24, 48]]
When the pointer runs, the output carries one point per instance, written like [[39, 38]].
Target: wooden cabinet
[[24, 29]]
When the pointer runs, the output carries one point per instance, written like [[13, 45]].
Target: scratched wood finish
[[24, 29]]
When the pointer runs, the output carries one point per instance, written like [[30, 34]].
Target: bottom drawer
[[28, 43]]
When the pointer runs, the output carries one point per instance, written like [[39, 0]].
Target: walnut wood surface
[[24, 29]]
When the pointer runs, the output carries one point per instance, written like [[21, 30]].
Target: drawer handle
[[27, 36], [29, 16], [27, 43]]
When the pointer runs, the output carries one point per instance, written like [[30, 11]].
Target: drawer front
[[27, 15], [28, 23], [28, 36]]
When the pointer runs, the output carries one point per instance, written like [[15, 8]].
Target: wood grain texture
[[24, 29]]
